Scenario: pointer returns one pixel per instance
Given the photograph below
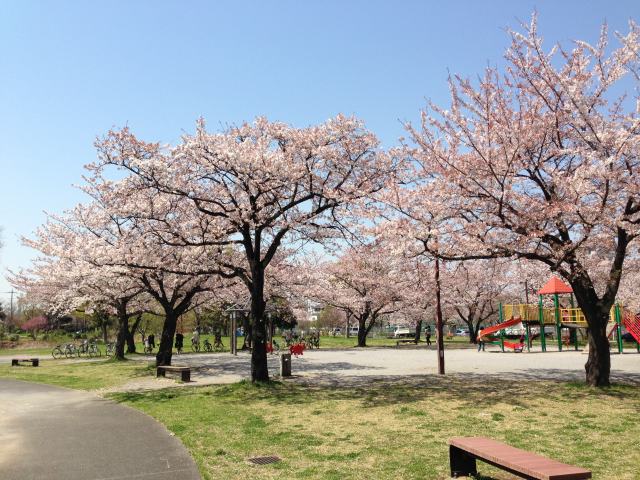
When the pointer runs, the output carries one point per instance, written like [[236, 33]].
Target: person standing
[[480, 340], [152, 341], [179, 342], [427, 334]]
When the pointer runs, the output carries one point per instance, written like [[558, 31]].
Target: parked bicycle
[[90, 349], [110, 349], [207, 345], [67, 350], [195, 345], [218, 346], [58, 351]]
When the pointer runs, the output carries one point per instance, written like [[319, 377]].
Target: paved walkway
[[53, 433]]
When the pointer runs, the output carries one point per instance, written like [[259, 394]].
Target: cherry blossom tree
[[63, 284], [249, 189], [539, 161], [473, 289], [367, 282]]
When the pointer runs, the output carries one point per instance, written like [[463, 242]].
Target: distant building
[[313, 311]]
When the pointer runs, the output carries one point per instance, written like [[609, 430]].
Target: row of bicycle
[[84, 349]]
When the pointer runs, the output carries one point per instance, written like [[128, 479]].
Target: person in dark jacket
[[179, 342]]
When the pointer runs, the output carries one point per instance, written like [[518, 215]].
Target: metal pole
[[618, 328], [501, 320], [543, 340], [440, 339], [233, 340], [556, 306]]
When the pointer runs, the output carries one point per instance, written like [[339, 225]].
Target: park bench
[[185, 372], [17, 361], [463, 452], [405, 340]]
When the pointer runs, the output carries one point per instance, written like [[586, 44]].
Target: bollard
[[285, 365]]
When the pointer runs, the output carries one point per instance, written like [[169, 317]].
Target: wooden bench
[[463, 452], [17, 361], [185, 372]]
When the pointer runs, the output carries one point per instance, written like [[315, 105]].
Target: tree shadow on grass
[[474, 391]]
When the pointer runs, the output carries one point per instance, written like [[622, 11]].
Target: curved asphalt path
[[54, 433]]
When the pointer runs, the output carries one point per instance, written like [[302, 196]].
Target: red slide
[[501, 326], [632, 324]]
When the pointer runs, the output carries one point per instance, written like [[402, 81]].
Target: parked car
[[462, 332], [354, 330], [335, 331], [402, 332]]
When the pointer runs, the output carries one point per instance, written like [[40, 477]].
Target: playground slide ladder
[[632, 324]]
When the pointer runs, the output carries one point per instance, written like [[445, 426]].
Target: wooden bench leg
[[186, 375], [462, 463], [160, 372], [14, 362], [35, 362]]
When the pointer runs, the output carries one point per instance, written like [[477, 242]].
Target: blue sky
[[69, 71]]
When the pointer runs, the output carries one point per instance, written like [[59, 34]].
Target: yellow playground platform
[[557, 316]]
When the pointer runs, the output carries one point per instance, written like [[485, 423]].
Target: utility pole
[[439, 327], [11, 293], [11, 308]]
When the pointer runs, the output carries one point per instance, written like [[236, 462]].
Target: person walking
[[427, 334], [152, 341]]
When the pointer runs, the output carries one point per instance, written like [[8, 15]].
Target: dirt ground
[[358, 366]]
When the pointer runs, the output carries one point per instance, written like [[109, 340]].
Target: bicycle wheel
[[68, 352], [57, 353], [195, 347], [208, 347]]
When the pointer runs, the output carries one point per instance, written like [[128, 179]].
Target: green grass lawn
[[395, 431], [80, 375], [377, 431]]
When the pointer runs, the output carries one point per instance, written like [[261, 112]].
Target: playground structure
[[557, 317]]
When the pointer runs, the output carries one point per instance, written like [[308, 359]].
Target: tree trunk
[[348, 335], [418, 330], [598, 366], [104, 332], [259, 370], [247, 340], [121, 339], [473, 331], [362, 331], [165, 349], [131, 342]]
